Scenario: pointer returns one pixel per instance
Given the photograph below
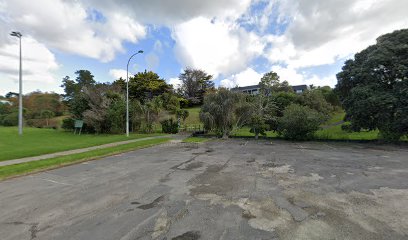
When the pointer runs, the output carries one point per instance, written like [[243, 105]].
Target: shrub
[[68, 124], [347, 127], [11, 119], [169, 126], [299, 122], [182, 114]]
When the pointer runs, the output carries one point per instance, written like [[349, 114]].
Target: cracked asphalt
[[233, 189]]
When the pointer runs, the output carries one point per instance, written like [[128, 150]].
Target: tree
[[74, 89], [299, 122], [182, 114], [145, 85], [47, 114], [263, 115], [315, 100], [223, 110], [270, 82], [151, 111], [195, 84], [373, 87]]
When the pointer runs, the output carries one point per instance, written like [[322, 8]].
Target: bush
[[11, 119], [169, 126], [68, 124], [299, 122], [347, 127]]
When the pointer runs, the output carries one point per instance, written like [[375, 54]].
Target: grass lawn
[[193, 116], [335, 118], [24, 168], [36, 141], [245, 132], [336, 133], [196, 139]]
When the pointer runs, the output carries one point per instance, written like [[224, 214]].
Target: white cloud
[[245, 78], [322, 32], [219, 47], [176, 82], [170, 13], [39, 66], [295, 78], [117, 73], [67, 26]]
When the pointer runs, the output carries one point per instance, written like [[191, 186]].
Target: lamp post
[[127, 92], [20, 93]]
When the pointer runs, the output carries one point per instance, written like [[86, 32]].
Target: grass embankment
[[331, 130], [37, 141], [35, 166], [193, 116]]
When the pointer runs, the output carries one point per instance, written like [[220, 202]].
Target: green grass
[[37, 141], [24, 168], [196, 139], [335, 118], [193, 116], [336, 133], [245, 132]]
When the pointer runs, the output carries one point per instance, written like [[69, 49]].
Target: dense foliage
[[299, 122], [195, 84], [373, 87], [223, 110], [169, 126]]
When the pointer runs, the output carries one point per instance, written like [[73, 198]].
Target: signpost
[[78, 126]]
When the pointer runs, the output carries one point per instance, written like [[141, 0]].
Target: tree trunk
[[46, 120], [256, 135], [224, 135]]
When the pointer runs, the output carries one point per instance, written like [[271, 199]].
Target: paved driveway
[[232, 189]]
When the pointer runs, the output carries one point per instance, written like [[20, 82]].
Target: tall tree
[[74, 90], [373, 87], [195, 84], [270, 82], [224, 110], [145, 85]]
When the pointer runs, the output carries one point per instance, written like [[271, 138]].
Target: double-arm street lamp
[[127, 92], [20, 93]]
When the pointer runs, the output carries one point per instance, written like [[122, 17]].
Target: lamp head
[[16, 34], [140, 51]]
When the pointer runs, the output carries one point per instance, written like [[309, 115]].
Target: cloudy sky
[[304, 41]]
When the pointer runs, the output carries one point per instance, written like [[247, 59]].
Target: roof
[[299, 87], [295, 88], [245, 88]]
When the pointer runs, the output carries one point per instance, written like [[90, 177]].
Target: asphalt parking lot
[[232, 189]]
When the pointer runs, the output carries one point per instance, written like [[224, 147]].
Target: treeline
[[275, 108], [102, 106], [38, 109]]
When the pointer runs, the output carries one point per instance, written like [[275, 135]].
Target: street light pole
[[20, 93], [127, 92]]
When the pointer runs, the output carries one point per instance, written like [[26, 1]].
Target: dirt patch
[[153, 204], [192, 235]]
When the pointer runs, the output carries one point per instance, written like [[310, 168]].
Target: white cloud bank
[[208, 34]]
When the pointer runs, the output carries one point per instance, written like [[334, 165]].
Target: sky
[[236, 41]]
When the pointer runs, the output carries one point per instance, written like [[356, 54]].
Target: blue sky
[[237, 41]]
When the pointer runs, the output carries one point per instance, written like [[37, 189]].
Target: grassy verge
[[335, 118], [336, 133], [196, 139], [35, 166], [37, 141]]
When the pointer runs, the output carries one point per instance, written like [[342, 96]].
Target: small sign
[[79, 123]]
